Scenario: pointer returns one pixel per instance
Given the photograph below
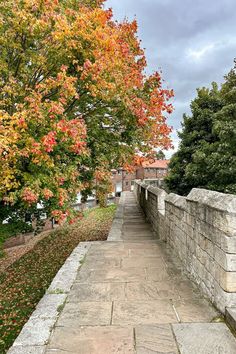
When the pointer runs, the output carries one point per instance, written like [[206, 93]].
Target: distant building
[[123, 180]]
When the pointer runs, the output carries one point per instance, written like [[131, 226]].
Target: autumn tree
[[73, 94]]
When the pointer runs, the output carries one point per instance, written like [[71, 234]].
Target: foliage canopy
[[74, 100]]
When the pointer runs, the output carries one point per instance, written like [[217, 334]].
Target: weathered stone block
[[227, 280], [222, 298], [225, 260], [196, 209], [201, 240], [225, 222], [188, 230], [201, 255], [210, 266], [228, 244], [191, 244], [209, 247], [190, 219], [206, 230], [207, 291]]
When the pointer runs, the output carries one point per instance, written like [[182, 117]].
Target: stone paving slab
[[111, 275], [205, 338], [135, 230], [99, 253], [139, 234], [157, 274], [107, 292], [149, 245], [141, 262], [106, 246], [86, 314], [151, 291], [137, 238], [155, 339], [143, 312], [186, 289], [145, 250], [87, 340], [102, 263], [194, 310]]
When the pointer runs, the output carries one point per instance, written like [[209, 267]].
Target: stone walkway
[[131, 297]]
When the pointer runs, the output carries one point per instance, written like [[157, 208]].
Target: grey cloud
[[192, 42]]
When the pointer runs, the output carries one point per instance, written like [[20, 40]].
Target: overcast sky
[[193, 42]]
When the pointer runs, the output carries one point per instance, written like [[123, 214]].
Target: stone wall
[[201, 230]]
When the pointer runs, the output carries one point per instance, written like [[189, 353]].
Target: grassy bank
[[24, 283]]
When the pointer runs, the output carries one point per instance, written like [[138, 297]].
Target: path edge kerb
[[115, 233], [35, 334]]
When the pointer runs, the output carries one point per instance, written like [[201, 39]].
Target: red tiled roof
[[156, 164]]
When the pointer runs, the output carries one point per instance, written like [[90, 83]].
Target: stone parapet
[[201, 230]]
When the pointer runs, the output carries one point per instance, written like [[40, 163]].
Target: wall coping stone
[[156, 190], [216, 200], [176, 200]]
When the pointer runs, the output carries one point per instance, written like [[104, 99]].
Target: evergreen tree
[[188, 167], [160, 155], [221, 156]]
